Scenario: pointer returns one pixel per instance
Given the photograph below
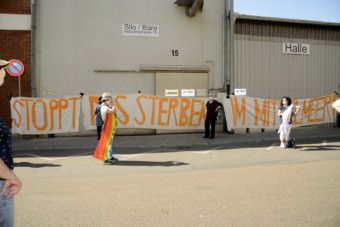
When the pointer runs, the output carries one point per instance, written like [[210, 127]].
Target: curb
[[217, 142]]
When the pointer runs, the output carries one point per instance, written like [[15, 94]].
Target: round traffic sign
[[15, 67]]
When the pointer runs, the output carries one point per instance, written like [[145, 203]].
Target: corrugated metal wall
[[262, 68]]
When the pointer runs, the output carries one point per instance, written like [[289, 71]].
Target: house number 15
[[175, 52]]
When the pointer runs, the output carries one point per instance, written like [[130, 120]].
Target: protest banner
[[60, 115], [248, 112], [45, 116], [151, 112]]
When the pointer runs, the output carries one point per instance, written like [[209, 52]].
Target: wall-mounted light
[[192, 6]]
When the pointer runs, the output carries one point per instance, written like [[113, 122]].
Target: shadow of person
[[319, 148], [150, 163], [35, 165]]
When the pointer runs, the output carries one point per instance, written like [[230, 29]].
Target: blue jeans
[[6, 209]]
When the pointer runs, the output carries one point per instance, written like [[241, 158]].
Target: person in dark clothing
[[210, 119], [9, 183], [5, 145], [97, 115]]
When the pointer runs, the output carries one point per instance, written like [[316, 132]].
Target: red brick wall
[[15, 45], [15, 6]]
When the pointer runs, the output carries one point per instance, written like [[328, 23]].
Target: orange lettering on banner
[[173, 104], [74, 110], [312, 110], [34, 117], [54, 105], [153, 109], [304, 113], [275, 104], [161, 111], [93, 100], [318, 108], [42, 114], [63, 104], [312, 107], [121, 110], [264, 114], [140, 106], [27, 112], [185, 105], [199, 113], [17, 123], [327, 103], [238, 112]]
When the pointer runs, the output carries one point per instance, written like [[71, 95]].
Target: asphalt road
[[248, 184]]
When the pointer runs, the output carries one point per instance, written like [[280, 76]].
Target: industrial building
[[98, 46], [126, 47], [274, 57], [161, 48]]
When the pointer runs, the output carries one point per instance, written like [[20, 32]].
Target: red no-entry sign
[[15, 68]]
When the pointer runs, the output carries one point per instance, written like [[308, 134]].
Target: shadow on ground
[[149, 163], [35, 165], [319, 148]]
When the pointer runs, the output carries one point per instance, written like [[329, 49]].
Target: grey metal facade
[[265, 71]]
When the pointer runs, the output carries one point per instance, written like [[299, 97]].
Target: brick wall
[[15, 6], [15, 45]]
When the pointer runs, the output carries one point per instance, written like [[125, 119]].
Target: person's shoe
[[283, 145], [111, 161], [114, 159], [211, 137]]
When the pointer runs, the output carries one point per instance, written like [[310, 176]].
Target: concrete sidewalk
[[172, 140]]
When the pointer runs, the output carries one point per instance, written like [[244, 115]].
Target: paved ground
[[181, 180]]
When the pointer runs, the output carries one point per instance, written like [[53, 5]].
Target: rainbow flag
[[104, 146]]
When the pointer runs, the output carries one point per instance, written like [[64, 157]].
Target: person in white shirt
[[286, 111]]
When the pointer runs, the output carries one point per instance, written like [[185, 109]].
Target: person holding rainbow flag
[[109, 117]]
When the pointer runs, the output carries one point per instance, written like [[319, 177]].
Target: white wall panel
[[77, 39]]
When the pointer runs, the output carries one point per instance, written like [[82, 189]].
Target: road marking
[[127, 156], [271, 147], [202, 152], [51, 159], [211, 151], [37, 156]]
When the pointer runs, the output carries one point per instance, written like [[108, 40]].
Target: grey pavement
[[212, 183], [178, 140], [218, 185]]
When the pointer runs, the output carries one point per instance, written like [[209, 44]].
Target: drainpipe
[[33, 48], [229, 47]]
